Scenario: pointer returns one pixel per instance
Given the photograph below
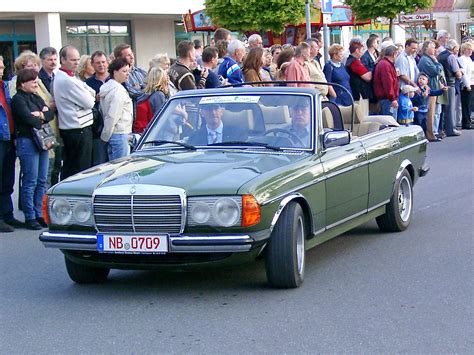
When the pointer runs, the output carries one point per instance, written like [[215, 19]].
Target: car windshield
[[263, 121]]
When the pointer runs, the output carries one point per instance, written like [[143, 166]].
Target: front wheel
[[83, 274], [398, 212], [285, 252]]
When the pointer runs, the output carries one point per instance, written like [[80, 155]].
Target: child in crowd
[[406, 110], [420, 100]]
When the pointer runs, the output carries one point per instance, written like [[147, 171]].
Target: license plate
[[130, 244]]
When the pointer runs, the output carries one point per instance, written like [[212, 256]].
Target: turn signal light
[[250, 211], [44, 208]]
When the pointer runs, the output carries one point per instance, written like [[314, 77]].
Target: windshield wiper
[[251, 144], [161, 142]]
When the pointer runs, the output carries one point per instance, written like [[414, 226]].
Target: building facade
[[151, 27]]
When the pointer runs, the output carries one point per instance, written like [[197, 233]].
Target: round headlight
[[82, 211], [226, 212], [60, 212], [200, 212]]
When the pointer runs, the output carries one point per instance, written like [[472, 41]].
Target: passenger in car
[[214, 131]]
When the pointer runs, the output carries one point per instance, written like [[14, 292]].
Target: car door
[[347, 182], [383, 165]]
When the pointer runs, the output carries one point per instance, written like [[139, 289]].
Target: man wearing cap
[[300, 126], [214, 131], [406, 111]]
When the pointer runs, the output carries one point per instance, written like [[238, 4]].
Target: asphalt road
[[364, 292]]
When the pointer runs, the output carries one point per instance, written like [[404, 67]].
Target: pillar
[[48, 31]]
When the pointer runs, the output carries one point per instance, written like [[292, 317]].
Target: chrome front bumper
[[177, 244]]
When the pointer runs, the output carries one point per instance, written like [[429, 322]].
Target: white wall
[[152, 36], [104, 6]]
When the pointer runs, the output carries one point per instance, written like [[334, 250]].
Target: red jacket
[[385, 83]]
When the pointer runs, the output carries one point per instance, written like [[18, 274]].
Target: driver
[[214, 130], [300, 115]]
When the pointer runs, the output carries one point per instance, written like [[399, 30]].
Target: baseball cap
[[408, 88]]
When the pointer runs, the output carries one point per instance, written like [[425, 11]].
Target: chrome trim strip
[[378, 205], [300, 187], [346, 219], [200, 243], [282, 205], [76, 238], [319, 232], [402, 167], [132, 214]]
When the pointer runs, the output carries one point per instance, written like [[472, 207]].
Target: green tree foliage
[[371, 9], [255, 15]]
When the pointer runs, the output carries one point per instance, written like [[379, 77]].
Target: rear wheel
[[285, 252], [398, 212], [83, 274]]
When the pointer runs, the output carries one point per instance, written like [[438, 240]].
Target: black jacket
[[182, 77], [229, 134], [359, 87], [23, 104]]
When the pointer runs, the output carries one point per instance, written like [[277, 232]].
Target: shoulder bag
[[44, 137]]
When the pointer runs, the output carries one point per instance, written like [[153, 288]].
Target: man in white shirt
[[74, 101], [406, 64]]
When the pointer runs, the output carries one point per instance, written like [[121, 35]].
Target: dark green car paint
[[339, 188]]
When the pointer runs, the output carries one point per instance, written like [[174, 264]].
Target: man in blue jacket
[[7, 159]]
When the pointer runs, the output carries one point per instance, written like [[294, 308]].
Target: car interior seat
[[275, 116]]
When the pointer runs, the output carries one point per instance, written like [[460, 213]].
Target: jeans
[[420, 119], [34, 166], [385, 106], [7, 179], [437, 119], [99, 152], [118, 146]]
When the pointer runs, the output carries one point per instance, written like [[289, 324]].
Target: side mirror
[[336, 139]]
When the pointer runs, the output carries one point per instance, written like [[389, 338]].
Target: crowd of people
[[93, 102]]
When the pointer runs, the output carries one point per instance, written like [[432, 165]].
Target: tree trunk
[[390, 28]]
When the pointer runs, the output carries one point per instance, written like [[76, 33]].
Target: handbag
[[44, 137]]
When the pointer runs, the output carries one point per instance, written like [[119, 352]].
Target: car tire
[[285, 252], [398, 212], [83, 274]]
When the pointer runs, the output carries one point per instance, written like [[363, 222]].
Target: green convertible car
[[227, 175]]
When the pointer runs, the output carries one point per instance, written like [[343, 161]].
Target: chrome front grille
[[146, 214]]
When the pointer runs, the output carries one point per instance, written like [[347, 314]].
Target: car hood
[[198, 172]]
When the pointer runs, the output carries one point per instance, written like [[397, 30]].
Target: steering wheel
[[297, 142]]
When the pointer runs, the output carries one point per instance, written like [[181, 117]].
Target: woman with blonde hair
[[162, 61], [85, 69], [157, 89]]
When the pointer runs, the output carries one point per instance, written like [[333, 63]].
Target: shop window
[[89, 36]]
